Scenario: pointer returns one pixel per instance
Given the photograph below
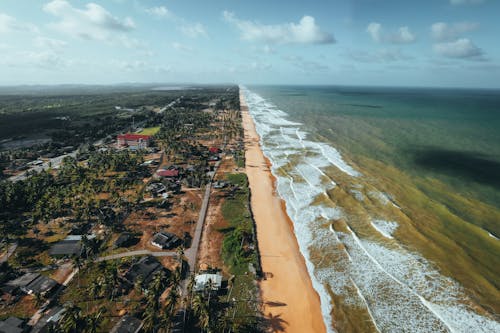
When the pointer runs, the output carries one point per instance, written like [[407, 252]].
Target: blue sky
[[450, 43]]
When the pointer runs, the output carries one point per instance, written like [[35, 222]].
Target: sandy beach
[[291, 303]]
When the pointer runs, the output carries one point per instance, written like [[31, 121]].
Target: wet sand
[[291, 303]]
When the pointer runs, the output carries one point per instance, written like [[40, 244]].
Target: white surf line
[[305, 178], [300, 138], [383, 233], [422, 300], [352, 172], [340, 242], [322, 173], [491, 235], [366, 304]]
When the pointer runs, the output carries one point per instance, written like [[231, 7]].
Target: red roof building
[[170, 173], [214, 150], [134, 141]]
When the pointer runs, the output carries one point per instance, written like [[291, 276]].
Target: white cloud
[[47, 60], [137, 65], [465, 2], [181, 47], [160, 11], [9, 24], [193, 30], [93, 22], [304, 32], [462, 48], [375, 30], [379, 56], [49, 43], [441, 31], [402, 36], [306, 66]]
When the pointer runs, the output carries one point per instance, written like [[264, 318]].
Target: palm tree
[[150, 319], [138, 284], [77, 262], [39, 299], [93, 289], [180, 256], [202, 311], [72, 320], [93, 321]]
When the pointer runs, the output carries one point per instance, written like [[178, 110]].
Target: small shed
[[203, 280], [165, 240]]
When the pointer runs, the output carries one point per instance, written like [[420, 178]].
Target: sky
[[431, 43]]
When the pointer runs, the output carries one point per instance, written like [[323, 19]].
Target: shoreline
[[290, 301]]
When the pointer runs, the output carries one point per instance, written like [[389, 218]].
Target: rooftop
[[165, 240], [41, 285], [11, 325], [130, 136], [66, 248], [145, 267], [202, 280], [127, 324], [168, 173], [23, 280]]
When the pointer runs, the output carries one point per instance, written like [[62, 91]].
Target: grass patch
[[150, 130]]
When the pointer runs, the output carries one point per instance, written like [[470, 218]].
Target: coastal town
[[144, 226]]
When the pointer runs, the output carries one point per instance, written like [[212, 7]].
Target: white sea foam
[[400, 289], [385, 228], [492, 236]]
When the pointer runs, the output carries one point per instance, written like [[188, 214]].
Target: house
[[156, 188], [32, 283], [146, 267], [41, 285], [134, 141], [49, 320], [204, 280], [70, 246], [168, 173], [220, 184], [11, 325], [214, 150], [123, 240], [127, 324], [20, 283], [165, 240]]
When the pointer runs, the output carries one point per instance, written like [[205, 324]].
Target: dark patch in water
[[472, 166], [364, 106]]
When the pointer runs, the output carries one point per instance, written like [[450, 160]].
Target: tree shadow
[[275, 303], [472, 166], [274, 323]]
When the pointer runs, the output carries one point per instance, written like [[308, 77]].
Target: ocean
[[394, 194]]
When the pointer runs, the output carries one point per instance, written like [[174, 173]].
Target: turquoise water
[[450, 134], [395, 199]]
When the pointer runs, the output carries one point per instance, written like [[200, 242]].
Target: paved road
[[138, 253], [191, 254]]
